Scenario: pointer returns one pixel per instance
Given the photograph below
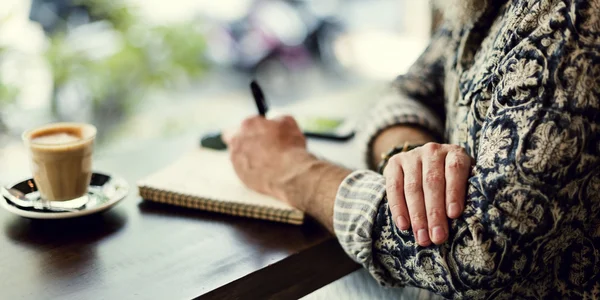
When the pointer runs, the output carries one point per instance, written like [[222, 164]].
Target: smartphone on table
[[332, 128]]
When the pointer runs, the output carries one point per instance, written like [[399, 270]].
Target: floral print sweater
[[520, 90]]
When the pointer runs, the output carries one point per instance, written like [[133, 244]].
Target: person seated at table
[[492, 186]]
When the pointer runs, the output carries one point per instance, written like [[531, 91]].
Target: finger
[[253, 125], [249, 123], [457, 170], [227, 135], [287, 121], [413, 193], [394, 183], [434, 192]]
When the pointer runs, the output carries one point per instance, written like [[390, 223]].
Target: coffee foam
[[55, 139], [60, 136]]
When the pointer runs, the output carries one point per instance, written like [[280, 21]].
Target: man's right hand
[[425, 186]]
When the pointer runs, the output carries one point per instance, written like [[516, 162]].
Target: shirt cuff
[[356, 207], [395, 109]]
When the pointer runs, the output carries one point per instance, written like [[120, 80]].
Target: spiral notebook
[[205, 179]]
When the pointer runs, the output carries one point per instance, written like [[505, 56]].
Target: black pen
[[259, 98]]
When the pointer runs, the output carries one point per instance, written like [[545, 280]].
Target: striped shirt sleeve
[[356, 207]]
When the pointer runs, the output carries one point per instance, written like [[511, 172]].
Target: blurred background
[[145, 70]]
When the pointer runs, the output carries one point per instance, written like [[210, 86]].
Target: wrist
[[295, 164], [307, 178], [395, 136], [310, 185]]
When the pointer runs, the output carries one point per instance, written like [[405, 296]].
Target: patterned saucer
[[104, 192]]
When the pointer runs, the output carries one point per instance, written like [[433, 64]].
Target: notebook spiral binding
[[230, 208]]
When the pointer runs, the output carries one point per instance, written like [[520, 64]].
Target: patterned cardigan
[[520, 91]]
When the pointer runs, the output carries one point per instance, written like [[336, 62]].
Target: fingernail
[[401, 222], [422, 236], [438, 233], [453, 209]]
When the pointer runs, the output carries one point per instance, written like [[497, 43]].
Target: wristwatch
[[385, 157]]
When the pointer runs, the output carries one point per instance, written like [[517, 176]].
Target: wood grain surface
[[141, 250]]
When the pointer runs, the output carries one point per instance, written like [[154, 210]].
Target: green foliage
[[7, 94], [149, 57]]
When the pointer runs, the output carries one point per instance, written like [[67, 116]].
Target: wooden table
[[141, 250]]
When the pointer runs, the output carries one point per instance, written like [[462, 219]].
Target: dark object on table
[[330, 136], [213, 141], [336, 129]]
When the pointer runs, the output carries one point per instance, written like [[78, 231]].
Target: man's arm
[[534, 188], [313, 181], [532, 204], [532, 198], [313, 186]]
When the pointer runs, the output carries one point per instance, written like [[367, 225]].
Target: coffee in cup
[[61, 159]]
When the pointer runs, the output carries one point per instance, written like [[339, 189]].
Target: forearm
[[311, 186], [396, 135]]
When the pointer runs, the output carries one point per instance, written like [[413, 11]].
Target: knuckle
[[456, 162], [412, 186], [418, 219], [431, 147], [455, 194], [288, 119], [461, 152], [392, 184], [393, 167], [434, 179], [285, 121], [396, 208], [454, 148], [248, 123], [396, 159], [435, 214]]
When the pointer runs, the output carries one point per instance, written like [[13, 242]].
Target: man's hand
[[263, 151], [270, 157], [427, 185]]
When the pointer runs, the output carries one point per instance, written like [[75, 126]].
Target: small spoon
[[18, 198]]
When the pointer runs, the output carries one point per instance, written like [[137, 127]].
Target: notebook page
[[209, 174]]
